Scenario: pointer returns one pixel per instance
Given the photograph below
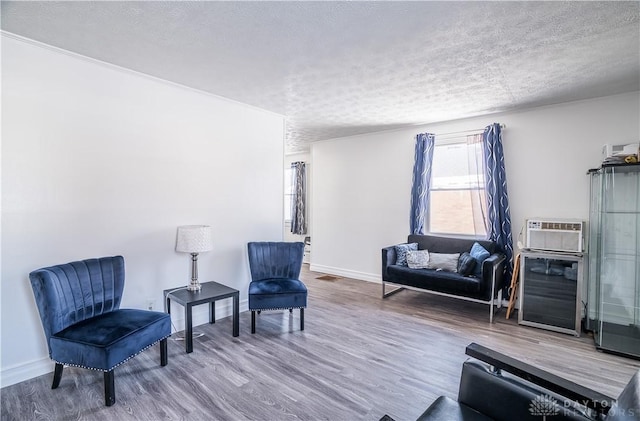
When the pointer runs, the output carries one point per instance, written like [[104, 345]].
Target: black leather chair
[[497, 387]]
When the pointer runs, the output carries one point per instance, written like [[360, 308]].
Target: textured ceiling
[[342, 68]]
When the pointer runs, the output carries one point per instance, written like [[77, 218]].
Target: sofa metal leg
[[57, 375], [302, 319], [253, 321], [386, 294], [109, 388], [493, 295], [498, 307], [163, 352], [491, 311]]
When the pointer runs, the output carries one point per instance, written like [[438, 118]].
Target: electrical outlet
[[150, 303]]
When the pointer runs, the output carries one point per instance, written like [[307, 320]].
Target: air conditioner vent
[[563, 226], [554, 235]]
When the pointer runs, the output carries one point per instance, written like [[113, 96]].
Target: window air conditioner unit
[[554, 235]]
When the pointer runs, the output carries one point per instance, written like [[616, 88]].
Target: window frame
[[291, 193], [458, 140]]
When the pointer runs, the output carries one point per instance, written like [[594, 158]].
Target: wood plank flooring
[[358, 358]]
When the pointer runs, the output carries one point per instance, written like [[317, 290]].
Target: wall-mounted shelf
[[550, 291]]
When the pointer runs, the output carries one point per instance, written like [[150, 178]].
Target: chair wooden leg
[[109, 388], [302, 319], [253, 321], [57, 375], [163, 352]]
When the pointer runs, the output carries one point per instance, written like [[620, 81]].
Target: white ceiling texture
[[342, 68]]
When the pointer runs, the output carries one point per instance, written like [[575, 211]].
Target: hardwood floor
[[358, 358]]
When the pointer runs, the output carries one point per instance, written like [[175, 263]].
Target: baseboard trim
[[25, 371], [347, 273]]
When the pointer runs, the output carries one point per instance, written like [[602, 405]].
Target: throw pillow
[[480, 254], [418, 259], [401, 252], [448, 262], [466, 264]]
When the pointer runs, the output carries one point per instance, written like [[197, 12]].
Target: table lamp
[[194, 239]]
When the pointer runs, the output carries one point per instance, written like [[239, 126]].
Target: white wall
[[362, 184], [306, 158], [100, 161]]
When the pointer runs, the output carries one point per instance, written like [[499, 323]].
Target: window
[[457, 200], [288, 193]]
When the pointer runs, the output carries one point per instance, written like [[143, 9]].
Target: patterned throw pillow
[[466, 264], [480, 254], [418, 259], [448, 262], [401, 252]]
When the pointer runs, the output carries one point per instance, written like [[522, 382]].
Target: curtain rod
[[462, 133]]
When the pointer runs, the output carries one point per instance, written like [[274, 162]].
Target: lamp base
[[194, 286]]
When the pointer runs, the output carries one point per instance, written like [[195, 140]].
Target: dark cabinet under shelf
[[550, 286]]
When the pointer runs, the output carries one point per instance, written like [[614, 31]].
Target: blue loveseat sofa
[[485, 288]]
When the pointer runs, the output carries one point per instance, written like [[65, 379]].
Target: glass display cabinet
[[551, 290], [613, 305]]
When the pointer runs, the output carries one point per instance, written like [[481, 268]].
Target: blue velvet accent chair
[[275, 269], [79, 305]]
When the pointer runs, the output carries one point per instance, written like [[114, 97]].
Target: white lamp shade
[[194, 239]]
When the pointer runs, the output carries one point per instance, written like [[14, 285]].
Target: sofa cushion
[[401, 252], [441, 281], [102, 342], [448, 262], [466, 264], [418, 259], [441, 244], [277, 293], [480, 254]]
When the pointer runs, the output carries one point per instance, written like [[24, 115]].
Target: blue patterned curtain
[[421, 182], [498, 214], [299, 200]]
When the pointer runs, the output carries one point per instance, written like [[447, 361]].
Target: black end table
[[210, 293]]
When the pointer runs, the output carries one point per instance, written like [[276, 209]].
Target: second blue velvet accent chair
[[79, 305], [275, 269]]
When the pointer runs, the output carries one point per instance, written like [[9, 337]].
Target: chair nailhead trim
[[277, 308], [121, 362]]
